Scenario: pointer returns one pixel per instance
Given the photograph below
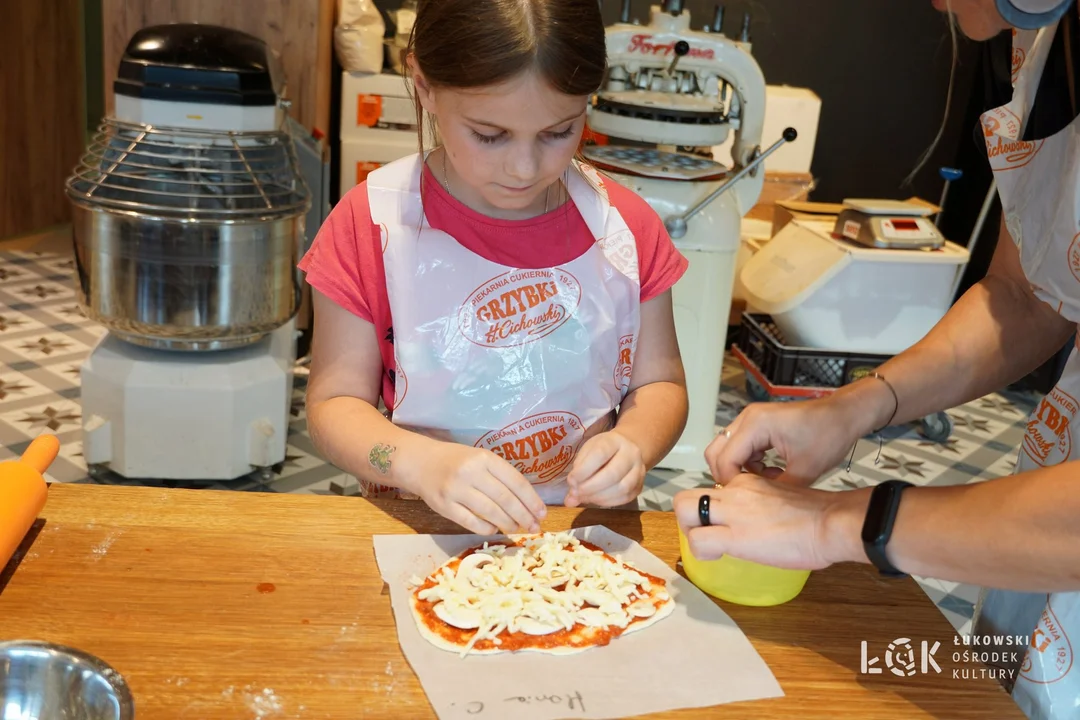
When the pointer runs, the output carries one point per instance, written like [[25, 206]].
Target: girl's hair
[[476, 43]]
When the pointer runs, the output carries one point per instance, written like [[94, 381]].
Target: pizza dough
[[550, 593]]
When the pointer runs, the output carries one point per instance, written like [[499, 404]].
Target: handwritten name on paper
[[572, 701]]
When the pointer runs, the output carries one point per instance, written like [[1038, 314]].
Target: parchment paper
[[696, 657]]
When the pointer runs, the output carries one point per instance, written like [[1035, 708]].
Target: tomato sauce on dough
[[579, 636]]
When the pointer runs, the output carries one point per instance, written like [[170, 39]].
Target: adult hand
[[812, 437], [772, 523], [608, 471], [480, 491]]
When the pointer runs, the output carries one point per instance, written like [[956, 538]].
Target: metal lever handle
[[682, 48], [676, 224]]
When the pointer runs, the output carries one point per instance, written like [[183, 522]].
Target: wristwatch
[[878, 525]]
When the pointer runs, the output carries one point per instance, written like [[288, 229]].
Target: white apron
[[520, 362], [1039, 186]]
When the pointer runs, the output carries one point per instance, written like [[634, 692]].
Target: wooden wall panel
[[41, 117], [300, 30]]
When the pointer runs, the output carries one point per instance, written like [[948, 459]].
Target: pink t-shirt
[[345, 261]]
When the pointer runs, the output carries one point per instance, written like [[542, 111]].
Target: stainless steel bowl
[[180, 285], [188, 239], [41, 681]]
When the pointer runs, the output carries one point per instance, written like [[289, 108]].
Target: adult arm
[[996, 333]]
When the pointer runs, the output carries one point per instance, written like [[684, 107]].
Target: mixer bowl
[[40, 681], [187, 284]]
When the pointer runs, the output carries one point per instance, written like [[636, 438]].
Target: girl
[[511, 306]]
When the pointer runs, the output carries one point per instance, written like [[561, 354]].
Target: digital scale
[[889, 224]]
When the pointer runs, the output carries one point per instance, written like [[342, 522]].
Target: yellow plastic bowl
[[740, 581]]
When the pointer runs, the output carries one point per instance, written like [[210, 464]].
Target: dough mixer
[[188, 212], [671, 94]]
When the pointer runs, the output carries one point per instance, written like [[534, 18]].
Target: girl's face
[[506, 144], [978, 19]]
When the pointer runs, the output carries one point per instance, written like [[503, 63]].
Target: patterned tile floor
[[44, 338]]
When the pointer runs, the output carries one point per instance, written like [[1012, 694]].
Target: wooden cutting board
[[242, 605]]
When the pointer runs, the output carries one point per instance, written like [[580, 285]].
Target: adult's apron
[[516, 361], [1039, 185]]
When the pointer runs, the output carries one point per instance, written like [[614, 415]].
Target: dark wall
[[882, 72], [881, 69]]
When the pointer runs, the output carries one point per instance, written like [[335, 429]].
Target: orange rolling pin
[[23, 492]]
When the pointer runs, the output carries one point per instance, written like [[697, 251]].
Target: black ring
[[703, 509]]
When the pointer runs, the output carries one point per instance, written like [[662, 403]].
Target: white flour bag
[[358, 36], [1048, 684]]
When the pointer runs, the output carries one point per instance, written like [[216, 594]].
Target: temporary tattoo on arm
[[379, 457]]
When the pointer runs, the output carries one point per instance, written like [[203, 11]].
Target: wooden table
[[233, 604]]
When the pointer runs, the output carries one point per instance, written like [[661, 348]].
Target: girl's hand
[[608, 471], [479, 490], [772, 523]]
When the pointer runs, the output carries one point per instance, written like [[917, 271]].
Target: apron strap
[[608, 227], [394, 192], [1026, 85], [586, 190]]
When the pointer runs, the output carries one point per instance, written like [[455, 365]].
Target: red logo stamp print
[[594, 178], [519, 307], [540, 446], [644, 44], [624, 367], [1019, 55], [620, 249], [1054, 651], [1049, 438], [1074, 256], [1000, 127]]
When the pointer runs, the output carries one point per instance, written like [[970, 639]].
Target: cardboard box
[[780, 187], [934, 209], [788, 210]]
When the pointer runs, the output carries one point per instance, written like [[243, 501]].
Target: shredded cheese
[[549, 582]]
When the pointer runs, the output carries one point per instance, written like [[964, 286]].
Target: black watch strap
[[878, 525]]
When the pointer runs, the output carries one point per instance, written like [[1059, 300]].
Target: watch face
[[876, 515], [882, 511], [877, 529]]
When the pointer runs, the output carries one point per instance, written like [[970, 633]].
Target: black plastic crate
[[763, 344]]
